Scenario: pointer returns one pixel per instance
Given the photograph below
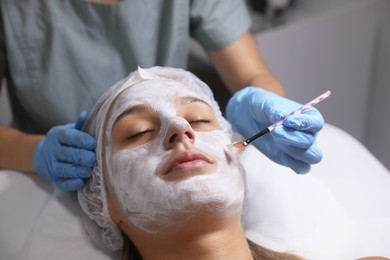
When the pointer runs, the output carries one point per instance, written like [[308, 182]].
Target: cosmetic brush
[[238, 147]]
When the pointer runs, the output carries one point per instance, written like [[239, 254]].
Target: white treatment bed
[[340, 210]]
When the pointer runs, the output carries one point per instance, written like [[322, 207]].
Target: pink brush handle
[[302, 108]]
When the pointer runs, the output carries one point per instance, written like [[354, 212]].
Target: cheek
[[133, 169], [128, 165], [213, 142]]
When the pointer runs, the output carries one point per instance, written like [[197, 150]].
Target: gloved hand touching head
[[292, 144], [66, 155]]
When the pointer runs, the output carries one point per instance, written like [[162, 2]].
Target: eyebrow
[[141, 108], [188, 100], [134, 110]]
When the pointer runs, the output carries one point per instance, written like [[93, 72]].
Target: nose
[[178, 132]]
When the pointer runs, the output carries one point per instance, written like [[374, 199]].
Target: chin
[[222, 208], [214, 200], [201, 204], [212, 212]]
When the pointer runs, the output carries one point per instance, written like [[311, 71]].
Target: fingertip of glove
[[81, 120], [89, 142], [299, 167], [83, 172], [302, 169], [298, 123], [303, 122], [313, 154], [70, 184], [83, 114]]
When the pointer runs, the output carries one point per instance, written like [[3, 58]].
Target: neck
[[215, 240]]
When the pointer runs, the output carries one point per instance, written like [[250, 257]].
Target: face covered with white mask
[[167, 157], [162, 157]]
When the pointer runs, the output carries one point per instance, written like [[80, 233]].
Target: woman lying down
[[164, 186]]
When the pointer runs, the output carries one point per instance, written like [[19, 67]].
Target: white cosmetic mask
[[151, 203]]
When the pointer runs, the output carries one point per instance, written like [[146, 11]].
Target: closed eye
[[202, 124], [199, 121], [141, 133]]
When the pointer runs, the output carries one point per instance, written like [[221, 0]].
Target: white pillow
[[294, 213], [340, 210]]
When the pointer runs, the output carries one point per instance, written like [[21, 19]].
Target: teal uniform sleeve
[[217, 23]]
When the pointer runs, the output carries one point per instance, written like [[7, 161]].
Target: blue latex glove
[[66, 155], [292, 144]]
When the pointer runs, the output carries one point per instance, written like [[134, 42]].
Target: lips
[[186, 160]]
